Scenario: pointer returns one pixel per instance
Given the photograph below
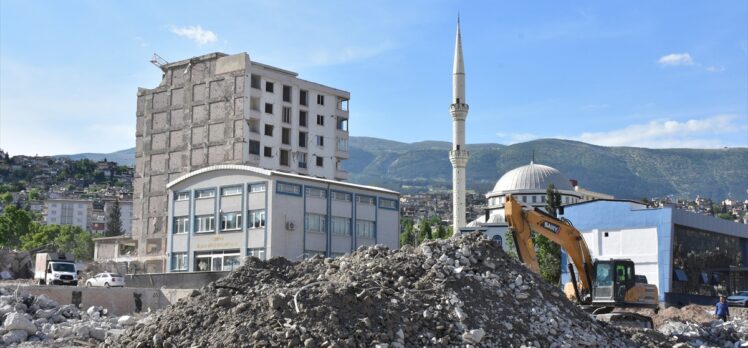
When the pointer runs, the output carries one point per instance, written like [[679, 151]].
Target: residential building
[[687, 255], [220, 109], [221, 214], [74, 212]]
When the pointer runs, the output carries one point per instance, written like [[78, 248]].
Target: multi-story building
[[74, 212], [221, 109]]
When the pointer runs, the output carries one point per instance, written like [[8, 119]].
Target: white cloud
[[676, 59], [694, 133], [195, 33], [514, 138], [713, 68]]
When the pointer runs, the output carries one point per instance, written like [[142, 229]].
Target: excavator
[[603, 285]]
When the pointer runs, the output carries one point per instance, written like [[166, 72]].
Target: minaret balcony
[[461, 107], [459, 154]]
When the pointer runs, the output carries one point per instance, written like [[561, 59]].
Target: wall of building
[[68, 212], [303, 216]]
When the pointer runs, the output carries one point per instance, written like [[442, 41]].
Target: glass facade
[[701, 259]]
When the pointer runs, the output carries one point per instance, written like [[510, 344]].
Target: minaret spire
[[458, 156]]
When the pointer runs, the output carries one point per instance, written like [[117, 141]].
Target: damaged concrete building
[[226, 109]]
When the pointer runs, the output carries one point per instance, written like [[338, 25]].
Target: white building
[[74, 212], [528, 185], [221, 214], [690, 257]]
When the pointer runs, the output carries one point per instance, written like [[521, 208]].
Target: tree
[[407, 237], [14, 223], [62, 238], [114, 226], [6, 197], [548, 252], [441, 232], [424, 231], [34, 194]]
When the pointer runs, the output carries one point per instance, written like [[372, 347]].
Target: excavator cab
[[613, 279]]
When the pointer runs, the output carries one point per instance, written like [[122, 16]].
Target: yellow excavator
[[603, 285]]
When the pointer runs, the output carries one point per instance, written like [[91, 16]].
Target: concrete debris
[[40, 321], [458, 292], [15, 264]]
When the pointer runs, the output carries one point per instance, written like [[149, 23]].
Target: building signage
[[215, 243]]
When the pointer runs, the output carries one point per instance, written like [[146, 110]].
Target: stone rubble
[[40, 321], [464, 291]]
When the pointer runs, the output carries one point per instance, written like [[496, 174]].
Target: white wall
[[638, 244]]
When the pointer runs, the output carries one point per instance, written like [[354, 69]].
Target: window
[[320, 161], [341, 226], [387, 203], [342, 144], [302, 139], [321, 120], [220, 260], [315, 223], [268, 108], [231, 221], [256, 218], [342, 124], [207, 193], [269, 86], [256, 252], [182, 196], [341, 196], [302, 118], [254, 147], [269, 130], [366, 200], [320, 141], [287, 93], [255, 81], [534, 199], [268, 151], [303, 97], [302, 159], [181, 224], [286, 136], [365, 229], [178, 261], [254, 103], [254, 125], [286, 114], [524, 199], [282, 187], [205, 223], [315, 192], [257, 188], [320, 99], [231, 191], [284, 158]]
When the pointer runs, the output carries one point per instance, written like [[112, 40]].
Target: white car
[[739, 299], [106, 280]]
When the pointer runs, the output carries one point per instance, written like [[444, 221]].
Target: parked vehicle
[[739, 299], [106, 280], [55, 269]]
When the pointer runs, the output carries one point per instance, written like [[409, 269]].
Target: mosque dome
[[532, 177]]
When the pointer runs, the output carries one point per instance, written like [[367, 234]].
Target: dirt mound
[[462, 291]]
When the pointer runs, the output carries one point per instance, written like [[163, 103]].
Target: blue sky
[[615, 73]]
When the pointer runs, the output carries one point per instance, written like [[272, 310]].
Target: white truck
[[55, 269]]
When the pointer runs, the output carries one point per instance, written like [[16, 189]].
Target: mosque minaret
[[459, 155]]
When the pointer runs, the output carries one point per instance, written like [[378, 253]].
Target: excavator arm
[[524, 220]]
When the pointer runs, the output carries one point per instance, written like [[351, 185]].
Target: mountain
[[625, 172], [122, 157]]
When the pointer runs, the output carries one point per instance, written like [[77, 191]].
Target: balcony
[[341, 175]]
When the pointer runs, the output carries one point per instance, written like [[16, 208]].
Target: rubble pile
[[716, 333], [27, 318], [15, 264], [464, 291]]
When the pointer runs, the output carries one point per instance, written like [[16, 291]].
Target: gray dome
[[532, 177]]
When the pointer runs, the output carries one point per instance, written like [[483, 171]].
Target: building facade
[[226, 109], [74, 212], [683, 253], [221, 214]]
